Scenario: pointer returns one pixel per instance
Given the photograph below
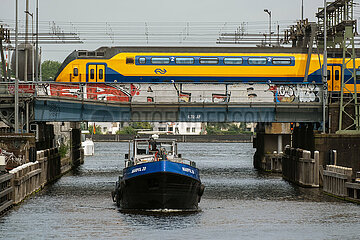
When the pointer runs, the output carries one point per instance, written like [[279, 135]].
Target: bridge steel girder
[[56, 110]]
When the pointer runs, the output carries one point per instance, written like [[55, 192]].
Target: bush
[[63, 149]]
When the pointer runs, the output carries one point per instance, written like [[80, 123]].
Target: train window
[[160, 60], [184, 60], [281, 61], [76, 72], [91, 54], [257, 61], [92, 74], [210, 60], [233, 61], [328, 75], [101, 73], [130, 60], [142, 60], [357, 74], [337, 75]]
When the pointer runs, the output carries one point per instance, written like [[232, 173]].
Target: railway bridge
[[240, 102]]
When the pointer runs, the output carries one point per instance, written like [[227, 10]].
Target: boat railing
[[189, 162], [149, 158]]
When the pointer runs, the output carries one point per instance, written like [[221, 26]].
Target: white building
[[181, 128], [108, 127]]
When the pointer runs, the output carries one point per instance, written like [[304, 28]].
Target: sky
[[85, 14]]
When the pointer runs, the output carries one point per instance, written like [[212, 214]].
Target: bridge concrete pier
[[270, 140]]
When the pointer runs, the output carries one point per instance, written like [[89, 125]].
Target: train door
[[92, 73], [96, 73], [334, 77], [100, 73], [74, 76], [337, 78]]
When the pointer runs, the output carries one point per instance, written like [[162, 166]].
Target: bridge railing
[[173, 92]]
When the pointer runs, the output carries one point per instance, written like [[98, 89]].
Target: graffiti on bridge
[[186, 93]]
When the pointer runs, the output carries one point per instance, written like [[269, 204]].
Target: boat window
[[337, 75], [130, 60], [257, 61], [168, 147], [142, 60], [101, 73], [76, 72], [233, 61], [140, 151], [281, 61], [92, 74], [184, 60], [158, 60], [209, 60]]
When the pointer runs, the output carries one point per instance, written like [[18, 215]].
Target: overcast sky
[[164, 10], [159, 11]]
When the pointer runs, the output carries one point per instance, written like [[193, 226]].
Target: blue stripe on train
[[113, 76], [315, 77]]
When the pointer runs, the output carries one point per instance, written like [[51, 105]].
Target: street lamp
[[32, 43], [269, 12], [37, 43]]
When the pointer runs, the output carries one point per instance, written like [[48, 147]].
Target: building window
[[193, 129], [209, 60], [184, 60], [257, 61], [162, 129], [281, 61], [130, 61], [142, 60], [159, 60], [233, 61], [188, 129]]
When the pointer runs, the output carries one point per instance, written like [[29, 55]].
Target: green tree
[[134, 127], [127, 131], [141, 125], [49, 69], [97, 129]]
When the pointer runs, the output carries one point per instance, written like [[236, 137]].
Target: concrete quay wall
[[338, 182], [299, 167], [28, 178]]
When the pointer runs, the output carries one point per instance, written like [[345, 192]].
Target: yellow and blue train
[[199, 64]]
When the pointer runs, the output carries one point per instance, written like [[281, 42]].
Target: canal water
[[238, 203]]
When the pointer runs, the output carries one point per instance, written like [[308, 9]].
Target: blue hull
[[159, 185]]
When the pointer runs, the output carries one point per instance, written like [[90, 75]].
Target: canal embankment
[[243, 138], [311, 158], [24, 171]]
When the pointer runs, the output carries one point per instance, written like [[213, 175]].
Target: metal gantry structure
[[341, 31]]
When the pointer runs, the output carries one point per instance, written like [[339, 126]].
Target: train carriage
[[199, 64]]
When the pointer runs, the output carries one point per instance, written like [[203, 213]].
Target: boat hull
[[159, 190]]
